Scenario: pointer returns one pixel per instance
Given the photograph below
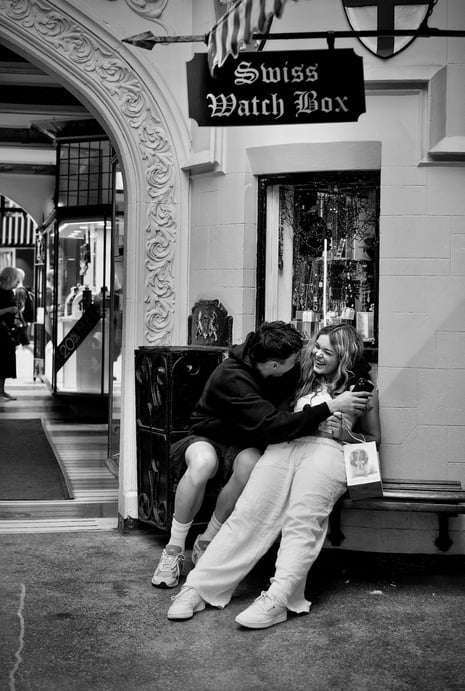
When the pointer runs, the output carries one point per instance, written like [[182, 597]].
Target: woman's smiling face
[[324, 356]]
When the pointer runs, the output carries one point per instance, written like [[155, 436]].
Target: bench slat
[[429, 485], [446, 491], [382, 504], [424, 495]]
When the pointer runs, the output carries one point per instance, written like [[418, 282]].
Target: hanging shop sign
[[277, 88]]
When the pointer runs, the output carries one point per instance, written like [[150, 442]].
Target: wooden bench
[[445, 499]]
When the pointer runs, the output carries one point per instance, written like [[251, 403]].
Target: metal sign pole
[[148, 40]]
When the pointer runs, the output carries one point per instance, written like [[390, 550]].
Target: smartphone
[[363, 385]]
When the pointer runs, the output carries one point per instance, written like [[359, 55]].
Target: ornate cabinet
[[169, 382]]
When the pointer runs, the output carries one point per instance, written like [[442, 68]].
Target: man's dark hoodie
[[240, 407]]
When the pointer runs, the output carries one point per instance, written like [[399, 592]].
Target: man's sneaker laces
[[168, 571]]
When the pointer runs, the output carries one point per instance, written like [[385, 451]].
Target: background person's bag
[[8, 334], [19, 321], [363, 470], [28, 311]]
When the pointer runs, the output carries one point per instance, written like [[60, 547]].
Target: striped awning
[[236, 27], [17, 230]]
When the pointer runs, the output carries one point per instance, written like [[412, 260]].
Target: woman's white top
[[313, 398], [322, 396]]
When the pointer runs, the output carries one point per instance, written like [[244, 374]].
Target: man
[[244, 407]]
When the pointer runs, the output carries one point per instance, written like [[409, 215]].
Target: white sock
[[179, 533], [212, 528]]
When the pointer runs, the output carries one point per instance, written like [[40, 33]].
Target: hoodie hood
[[239, 353]]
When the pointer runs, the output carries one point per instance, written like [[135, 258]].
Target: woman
[[291, 491], [9, 279]]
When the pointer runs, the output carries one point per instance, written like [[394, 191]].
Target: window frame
[[319, 180]]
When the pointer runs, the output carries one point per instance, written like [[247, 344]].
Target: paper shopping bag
[[363, 470]]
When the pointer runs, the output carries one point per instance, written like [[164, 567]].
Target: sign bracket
[[330, 39], [148, 40]]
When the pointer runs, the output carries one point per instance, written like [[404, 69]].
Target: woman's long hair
[[348, 346]]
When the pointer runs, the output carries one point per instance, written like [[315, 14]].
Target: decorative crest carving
[[150, 9]]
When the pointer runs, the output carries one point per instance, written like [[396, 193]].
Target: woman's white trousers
[[291, 491]]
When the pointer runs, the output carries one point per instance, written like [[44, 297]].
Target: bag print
[[363, 470]]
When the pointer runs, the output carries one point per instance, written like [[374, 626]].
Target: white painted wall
[[413, 115]]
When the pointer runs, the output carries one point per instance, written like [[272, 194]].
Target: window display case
[[82, 314], [74, 305], [318, 263], [74, 273]]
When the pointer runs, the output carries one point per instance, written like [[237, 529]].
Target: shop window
[[85, 173], [318, 251], [74, 266], [82, 306], [116, 317]]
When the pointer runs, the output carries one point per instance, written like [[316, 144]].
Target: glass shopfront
[[82, 300], [116, 318], [74, 289], [318, 248], [78, 281]]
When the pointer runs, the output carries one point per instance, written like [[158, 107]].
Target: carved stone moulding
[[85, 58]]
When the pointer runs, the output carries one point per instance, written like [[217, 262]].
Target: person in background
[[244, 407], [292, 490], [22, 297], [49, 304], [9, 279]]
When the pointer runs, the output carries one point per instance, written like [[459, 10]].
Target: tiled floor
[[81, 450]]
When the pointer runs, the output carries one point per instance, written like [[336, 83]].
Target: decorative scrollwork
[[145, 506], [112, 74]]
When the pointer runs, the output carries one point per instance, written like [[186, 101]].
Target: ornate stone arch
[[65, 41]]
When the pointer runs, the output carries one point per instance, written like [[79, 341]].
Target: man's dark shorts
[[225, 454]]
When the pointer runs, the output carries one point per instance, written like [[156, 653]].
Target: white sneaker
[[263, 612], [168, 571], [185, 604], [198, 549]]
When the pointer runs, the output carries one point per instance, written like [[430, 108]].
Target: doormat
[[29, 469]]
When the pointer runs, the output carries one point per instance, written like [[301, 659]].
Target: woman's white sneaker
[[186, 603], [265, 611]]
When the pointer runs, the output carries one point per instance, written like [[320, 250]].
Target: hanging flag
[[386, 15], [236, 27]]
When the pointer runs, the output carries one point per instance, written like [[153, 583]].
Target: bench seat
[[444, 498]]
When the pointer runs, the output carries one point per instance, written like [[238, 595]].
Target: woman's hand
[[333, 426], [350, 403]]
